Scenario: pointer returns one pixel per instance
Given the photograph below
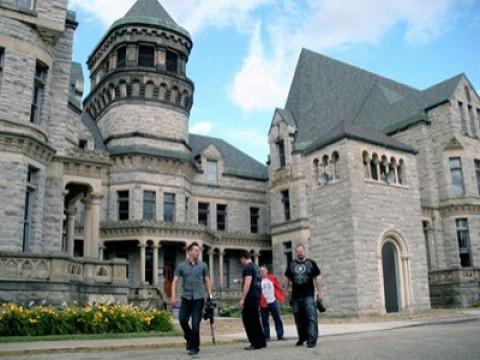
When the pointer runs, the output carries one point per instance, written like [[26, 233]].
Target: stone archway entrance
[[391, 284]]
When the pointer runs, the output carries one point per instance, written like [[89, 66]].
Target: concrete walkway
[[41, 347]]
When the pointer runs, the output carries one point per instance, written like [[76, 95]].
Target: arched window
[[401, 173], [334, 161], [149, 90], [366, 165], [374, 167], [136, 88], [316, 171], [392, 171], [383, 168]]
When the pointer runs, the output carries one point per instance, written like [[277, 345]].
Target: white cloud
[[263, 80], [201, 128], [194, 15]]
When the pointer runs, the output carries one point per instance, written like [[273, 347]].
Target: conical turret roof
[[150, 12]]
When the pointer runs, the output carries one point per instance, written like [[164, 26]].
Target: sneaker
[[300, 343], [281, 338]]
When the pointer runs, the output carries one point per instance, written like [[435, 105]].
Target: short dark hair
[[190, 247], [300, 245], [245, 255]]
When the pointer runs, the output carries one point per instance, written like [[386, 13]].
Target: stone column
[[142, 263], [101, 251], [161, 61], [210, 264], [220, 268], [96, 202], [71, 212], [256, 257], [87, 228], [155, 265]]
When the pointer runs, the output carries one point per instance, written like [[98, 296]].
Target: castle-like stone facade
[[100, 196]]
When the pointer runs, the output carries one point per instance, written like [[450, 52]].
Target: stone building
[[102, 194]]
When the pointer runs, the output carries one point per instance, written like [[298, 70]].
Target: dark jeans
[[193, 309], [251, 322], [275, 311], [305, 313]]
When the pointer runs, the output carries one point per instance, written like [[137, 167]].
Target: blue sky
[[245, 51]]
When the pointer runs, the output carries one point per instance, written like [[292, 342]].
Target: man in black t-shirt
[[250, 303], [304, 275]]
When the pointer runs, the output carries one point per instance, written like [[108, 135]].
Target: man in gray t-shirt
[[194, 274]]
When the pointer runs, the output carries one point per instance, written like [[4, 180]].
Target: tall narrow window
[[426, 227], [123, 199], [477, 174], [32, 183], [463, 118], [203, 213], [149, 205], [221, 217], [26, 4], [287, 252], [471, 117], [254, 216], [212, 172], [122, 57], [286, 204], [458, 185], [374, 167], [2, 61], [41, 72], [146, 56], [463, 237], [281, 153], [169, 207], [172, 62]]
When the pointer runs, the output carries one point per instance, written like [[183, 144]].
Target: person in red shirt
[[271, 294]]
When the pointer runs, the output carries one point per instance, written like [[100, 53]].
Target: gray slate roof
[[330, 97], [236, 162]]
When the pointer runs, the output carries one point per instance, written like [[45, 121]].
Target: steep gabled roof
[[326, 92], [236, 162]]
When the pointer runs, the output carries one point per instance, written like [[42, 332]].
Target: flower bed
[[40, 321]]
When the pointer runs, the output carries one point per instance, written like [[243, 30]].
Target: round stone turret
[[140, 93]]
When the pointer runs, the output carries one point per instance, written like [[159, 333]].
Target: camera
[[209, 309], [321, 308]]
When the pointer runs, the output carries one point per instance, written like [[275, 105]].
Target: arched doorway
[[394, 272], [391, 284]]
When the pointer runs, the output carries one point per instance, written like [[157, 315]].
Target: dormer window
[[121, 57], [146, 56], [172, 62], [26, 4], [281, 153], [212, 176]]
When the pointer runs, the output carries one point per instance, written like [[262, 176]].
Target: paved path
[[441, 341]]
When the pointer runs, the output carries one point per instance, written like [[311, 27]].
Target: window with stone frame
[[172, 62], [30, 199], [463, 238], [169, 207], [2, 62], [203, 213], [463, 118], [471, 117], [149, 205], [26, 4], [254, 217], [477, 174], [123, 202], [122, 57], [41, 74], [222, 216], [281, 153], [456, 172], [286, 204], [146, 56], [212, 172], [288, 252]]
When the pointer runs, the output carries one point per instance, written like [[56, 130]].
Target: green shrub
[[41, 321]]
